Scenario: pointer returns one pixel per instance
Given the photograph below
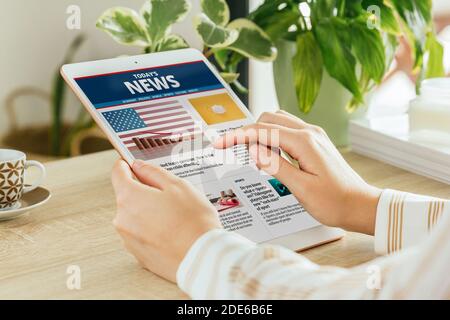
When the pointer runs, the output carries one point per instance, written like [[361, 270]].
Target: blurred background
[[35, 41]]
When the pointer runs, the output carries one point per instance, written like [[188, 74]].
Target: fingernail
[[137, 164]]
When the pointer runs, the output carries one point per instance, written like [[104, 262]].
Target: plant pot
[[328, 111], [35, 140]]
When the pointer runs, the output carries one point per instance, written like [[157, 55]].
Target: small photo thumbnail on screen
[[280, 188], [225, 200]]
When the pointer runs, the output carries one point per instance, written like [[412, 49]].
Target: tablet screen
[[168, 115]]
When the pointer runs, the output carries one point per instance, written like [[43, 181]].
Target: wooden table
[[74, 228]]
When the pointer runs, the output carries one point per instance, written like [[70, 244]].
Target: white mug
[[13, 164]]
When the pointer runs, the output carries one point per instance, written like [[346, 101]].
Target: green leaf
[[275, 21], [308, 69], [416, 16], [391, 43], [124, 26], [229, 77], [216, 10], [160, 15], [279, 23], [333, 37], [321, 9], [424, 8], [435, 64], [417, 22], [418, 49], [222, 57], [212, 34], [386, 19], [252, 42], [172, 42], [369, 49], [267, 10], [365, 85], [349, 9]]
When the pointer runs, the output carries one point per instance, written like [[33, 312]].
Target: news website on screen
[[168, 115]]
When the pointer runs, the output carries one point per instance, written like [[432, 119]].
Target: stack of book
[[389, 139]]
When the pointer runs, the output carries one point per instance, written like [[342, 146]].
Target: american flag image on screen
[[150, 126]]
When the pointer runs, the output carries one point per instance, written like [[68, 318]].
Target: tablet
[[166, 108]]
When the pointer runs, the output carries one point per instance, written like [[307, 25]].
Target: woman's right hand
[[329, 189]]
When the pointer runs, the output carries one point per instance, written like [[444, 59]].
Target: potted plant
[[331, 53], [226, 42], [59, 138]]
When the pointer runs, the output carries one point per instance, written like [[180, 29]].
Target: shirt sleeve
[[405, 219], [224, 265]]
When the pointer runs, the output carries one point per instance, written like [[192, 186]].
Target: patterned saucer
[[29, 201]]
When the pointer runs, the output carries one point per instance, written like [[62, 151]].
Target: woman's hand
[[159, 216], [323, 182]]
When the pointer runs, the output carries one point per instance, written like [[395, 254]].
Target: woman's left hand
[[159, 215]]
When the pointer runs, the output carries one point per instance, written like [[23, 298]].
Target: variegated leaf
[[252, 42], [212, 34], [172, 42], [124, 26], [216, 10], [160, 15]]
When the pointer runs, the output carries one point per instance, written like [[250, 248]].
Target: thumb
[[152, 175], [121, 176]]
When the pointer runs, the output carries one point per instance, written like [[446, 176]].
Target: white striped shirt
[[414, 232]]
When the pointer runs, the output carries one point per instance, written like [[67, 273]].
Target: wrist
[[196, 233], [361, 215]]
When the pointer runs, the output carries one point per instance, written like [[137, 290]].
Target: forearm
[[225, 265]]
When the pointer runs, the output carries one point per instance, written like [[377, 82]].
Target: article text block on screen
[[217, 108]]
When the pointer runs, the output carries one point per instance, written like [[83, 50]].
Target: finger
[[291, 115], [152, 175], [267, 134], [121, 175], [288, 114], [283, 119], [278, 167]]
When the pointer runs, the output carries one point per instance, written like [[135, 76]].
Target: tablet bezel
[[300, 240]]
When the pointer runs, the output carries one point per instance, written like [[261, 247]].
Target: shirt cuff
[[405, 219], [208, 260], [385, 209]]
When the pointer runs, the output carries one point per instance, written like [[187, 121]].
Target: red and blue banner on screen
[[132, 86]]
